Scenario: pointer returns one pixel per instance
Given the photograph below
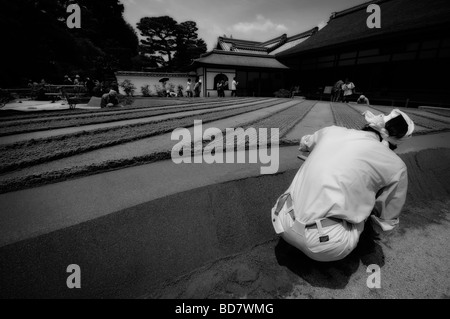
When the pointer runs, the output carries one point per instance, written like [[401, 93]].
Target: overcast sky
[[257, 20]]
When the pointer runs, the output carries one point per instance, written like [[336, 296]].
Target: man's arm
[[390, 203], [308, 142]]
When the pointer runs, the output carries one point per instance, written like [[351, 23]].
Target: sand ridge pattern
[[240, 255], [36, 162]]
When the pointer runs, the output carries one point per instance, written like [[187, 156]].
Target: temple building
[[406, 62], [253, 64]]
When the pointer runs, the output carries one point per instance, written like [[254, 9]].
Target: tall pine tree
[[174, 45], [36, 42], [160, 34], [189, 46]]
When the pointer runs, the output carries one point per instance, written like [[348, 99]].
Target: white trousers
[[338, 240]]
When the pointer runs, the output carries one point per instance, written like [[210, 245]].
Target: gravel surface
[[20, 127], [23, 154]]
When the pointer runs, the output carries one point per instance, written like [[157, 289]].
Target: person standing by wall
[[219, 88], [90, 85], [189, 88], [295, 90], [197, 88], [337, 91], [234, 85], [347, 88], [224, 87]]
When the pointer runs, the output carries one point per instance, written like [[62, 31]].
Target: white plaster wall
[[142, 80]]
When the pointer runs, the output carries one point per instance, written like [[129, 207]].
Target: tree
[[42, 46], [160, 36], [189, 46], [178, 43]]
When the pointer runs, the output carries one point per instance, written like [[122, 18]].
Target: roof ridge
[[358, 7], [254, 48], [274, 40], [233, 40], [303, 34], [280, 43], [236, 53]]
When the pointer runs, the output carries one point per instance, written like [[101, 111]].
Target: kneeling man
[[109, 99], [349, 177]]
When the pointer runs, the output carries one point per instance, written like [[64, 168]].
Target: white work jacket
[[349, 174]]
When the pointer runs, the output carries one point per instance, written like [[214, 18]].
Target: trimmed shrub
[[128, 87], [126, 100], [160, 91], [145, 90]]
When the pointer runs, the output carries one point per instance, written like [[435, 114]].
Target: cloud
[[260, 25], [210, 34]]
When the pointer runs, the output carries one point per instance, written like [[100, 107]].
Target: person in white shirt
[[347, 88], [189, 88], [234, 85], [350, 177]]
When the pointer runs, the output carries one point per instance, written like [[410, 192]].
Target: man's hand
[[303, 155], [304, 143], [303, 148]]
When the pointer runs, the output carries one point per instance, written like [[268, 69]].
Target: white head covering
[[378, 123], [112, 92]]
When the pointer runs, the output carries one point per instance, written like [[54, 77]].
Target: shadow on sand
[[333, 275]]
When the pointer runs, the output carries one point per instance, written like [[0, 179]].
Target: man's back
[[108, 99], [343, 175]]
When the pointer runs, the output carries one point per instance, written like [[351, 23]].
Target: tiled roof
[[287, 46], [277, 44], [396, 16], [251, 51], [272, 42], [223, 58]]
